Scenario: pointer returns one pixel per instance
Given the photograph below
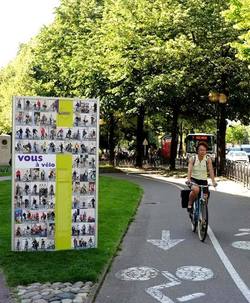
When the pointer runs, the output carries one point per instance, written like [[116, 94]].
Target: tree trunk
[[180, 152], [111, 140], [139, 136], [174, 138], [222, 141]]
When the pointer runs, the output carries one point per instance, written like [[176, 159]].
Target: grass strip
[[118, 201], [5, 171]]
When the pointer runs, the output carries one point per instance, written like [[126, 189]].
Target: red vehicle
[[166, 146]]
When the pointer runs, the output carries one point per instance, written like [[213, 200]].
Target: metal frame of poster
[[55, 173]]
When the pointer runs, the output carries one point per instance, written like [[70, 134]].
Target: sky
[[19, 21]]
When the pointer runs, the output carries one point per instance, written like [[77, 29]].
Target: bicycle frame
[[198, 201], [200, 214]]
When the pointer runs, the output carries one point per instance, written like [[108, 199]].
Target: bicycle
[[199, 216]]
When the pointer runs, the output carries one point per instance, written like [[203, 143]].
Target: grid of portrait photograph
[[36, 134]]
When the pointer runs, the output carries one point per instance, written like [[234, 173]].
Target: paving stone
[[54, 298], [57, 284], [85, 288], [68, 284], [66, 295], [90, 284], [29, 295], [40, 301], [75, 290], [83, 295], [22, 292], [57, 291], [37, 297], [45, 292], [78, 284]]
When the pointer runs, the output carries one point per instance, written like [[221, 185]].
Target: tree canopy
[[152, 62]]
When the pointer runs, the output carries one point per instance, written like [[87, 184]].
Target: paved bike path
[[188, 271]]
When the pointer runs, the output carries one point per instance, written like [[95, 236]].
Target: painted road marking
[[191, 297], [226, 262], [231, 270], [244, 232], [242, 245], [194, 273], [156, 291], [143, 273], [165, 243]]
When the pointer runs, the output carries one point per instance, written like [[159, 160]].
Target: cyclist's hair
[[202, 143]]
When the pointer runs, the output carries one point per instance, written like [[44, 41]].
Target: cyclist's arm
[[211, 170], [190, 168]]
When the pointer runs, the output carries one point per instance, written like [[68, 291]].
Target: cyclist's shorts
[[201, 182]]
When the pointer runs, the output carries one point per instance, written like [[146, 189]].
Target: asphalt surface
[[4, 291], [214, 271]]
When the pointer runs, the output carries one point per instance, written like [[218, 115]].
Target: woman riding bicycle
[[197, 173]]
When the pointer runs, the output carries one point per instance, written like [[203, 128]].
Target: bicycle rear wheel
[[203, 221]]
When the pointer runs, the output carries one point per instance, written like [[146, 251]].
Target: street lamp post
[[220, 100]]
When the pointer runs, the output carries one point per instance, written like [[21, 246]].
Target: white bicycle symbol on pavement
[[188, 273]]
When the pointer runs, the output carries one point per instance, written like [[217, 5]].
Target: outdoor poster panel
[[54, 174]]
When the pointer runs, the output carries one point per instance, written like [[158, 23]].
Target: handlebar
[[201, 186]]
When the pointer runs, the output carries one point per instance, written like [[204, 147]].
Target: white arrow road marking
[[165, 243], [244, 232]]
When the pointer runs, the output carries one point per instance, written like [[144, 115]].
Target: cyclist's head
[[202, 147]]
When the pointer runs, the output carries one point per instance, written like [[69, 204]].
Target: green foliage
[[162, 56], [15, 80], [237, 134], [239, 14]]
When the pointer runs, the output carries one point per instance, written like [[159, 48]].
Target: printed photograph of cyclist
[[83, 242], [22, 188], [83, 215], [19, 118], [80, 161], [48, 119], [83, 229], [92, 134], [34, 244], [29, 230], [83, 202], [84, 176], [92, 148], [91, 175], [32, 216], [84, 188]]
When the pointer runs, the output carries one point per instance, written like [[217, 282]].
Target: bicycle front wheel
[[193, 218], [203, 221]]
